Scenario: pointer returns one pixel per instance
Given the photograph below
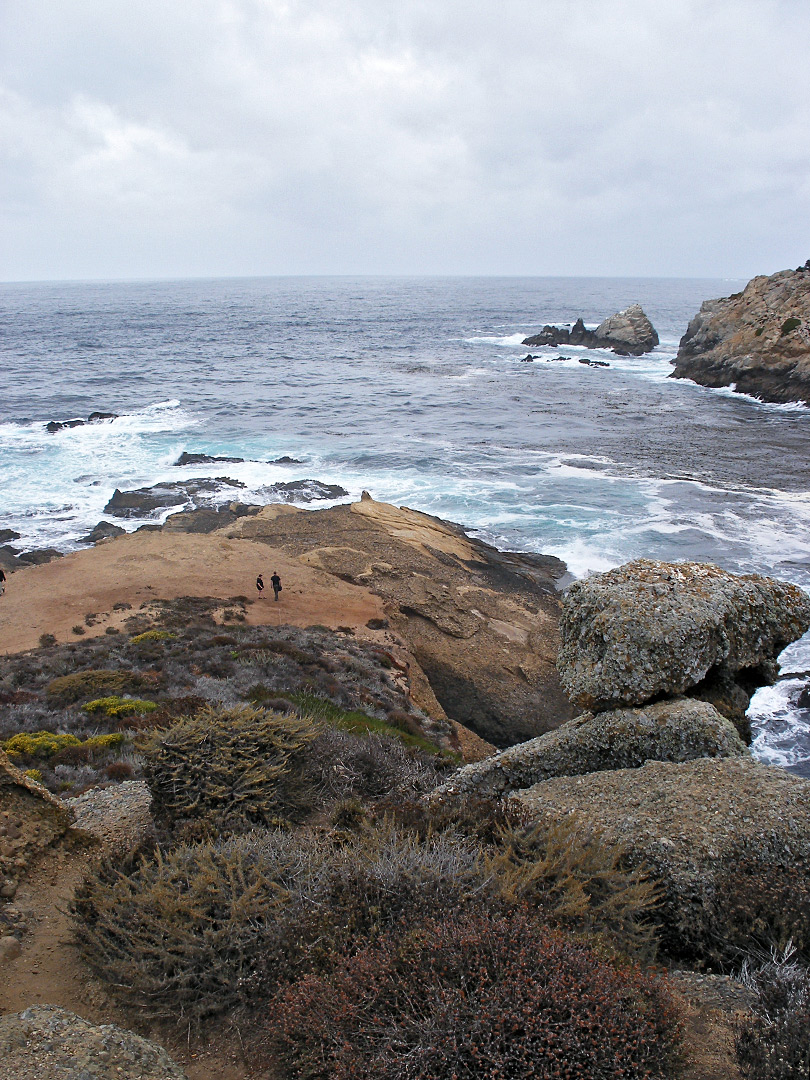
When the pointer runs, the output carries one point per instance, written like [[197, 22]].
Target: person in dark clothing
[[275, 581], [2, 581], [260, 585]]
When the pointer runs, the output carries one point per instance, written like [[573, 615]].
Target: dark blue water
[[415, 390]]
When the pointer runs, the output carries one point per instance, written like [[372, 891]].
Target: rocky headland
[[757, 340], [627, 333], [643, 820]]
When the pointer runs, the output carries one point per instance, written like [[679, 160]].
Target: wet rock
[[193, 493], [651, 629], [204, 459], [285, 460], [8, 534], [93, 418], [628, 333], [758, 340], [50, 1043], [12, 559], [305, 491], [102, 531], [677, 730]]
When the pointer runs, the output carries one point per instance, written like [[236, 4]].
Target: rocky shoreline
[[757, 341]]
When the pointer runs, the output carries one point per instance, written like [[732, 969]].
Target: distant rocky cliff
[[758, 340]]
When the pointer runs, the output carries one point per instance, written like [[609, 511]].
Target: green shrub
[[79, 629], [230, 769], [38, 744], [88, 684], [152, 635], [479, 996], [789, 325], [117, 707], [47, 639], [34, 774], [359, 722], [772, 1041]]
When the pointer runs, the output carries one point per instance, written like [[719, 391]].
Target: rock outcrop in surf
[[757, 341], [649, 630], [628, 333]]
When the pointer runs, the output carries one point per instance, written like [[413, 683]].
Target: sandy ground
[[141, 567]]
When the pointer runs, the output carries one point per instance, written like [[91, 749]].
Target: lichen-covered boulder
[[728, 841], [653, 629], [628, 332], [49, 1043], [673, 730]]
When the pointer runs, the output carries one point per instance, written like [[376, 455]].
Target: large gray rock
[[728, 840], [653, 629], [758, 340], [678, 730], [49, 1043], [628, 332]]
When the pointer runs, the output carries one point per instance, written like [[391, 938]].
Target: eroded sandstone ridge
[[758, 340], [628, 333], [649, 630], [481, 623]]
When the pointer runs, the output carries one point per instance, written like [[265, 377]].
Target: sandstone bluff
[[757, 340]]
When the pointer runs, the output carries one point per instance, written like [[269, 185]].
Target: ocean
[[416, 390]]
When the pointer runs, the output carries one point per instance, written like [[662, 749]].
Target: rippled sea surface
[[416, 390]]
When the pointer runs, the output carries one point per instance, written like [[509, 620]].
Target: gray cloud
[[349, 136]]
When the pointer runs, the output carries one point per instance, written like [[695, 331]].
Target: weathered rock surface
[[675, 730], [93, 418], [628, 333], [694, 823], [652, 629], [304, 491], [758, 340], [31, 819], [49, 1043], [8, 534], [481, 623]]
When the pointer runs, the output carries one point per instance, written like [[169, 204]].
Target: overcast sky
[[173, 138]]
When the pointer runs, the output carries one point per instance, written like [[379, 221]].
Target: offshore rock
[[648, 630], [757, 340], [628, 333], [93, 418], [707, 830], [49, 1043], [677, 730], [193, 493]]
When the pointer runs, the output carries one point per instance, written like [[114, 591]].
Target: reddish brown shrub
[[119, 770], [476, 996]]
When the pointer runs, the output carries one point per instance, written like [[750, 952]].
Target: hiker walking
[[260, 585], [2, 581], [275, 581]]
